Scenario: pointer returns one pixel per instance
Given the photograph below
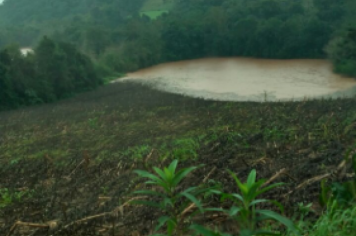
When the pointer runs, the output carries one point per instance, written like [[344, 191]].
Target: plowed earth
[[73, 160]]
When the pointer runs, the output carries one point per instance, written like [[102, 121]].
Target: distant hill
[[24, 22], [18, 12]]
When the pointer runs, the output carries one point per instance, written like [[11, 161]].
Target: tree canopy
[[56, 70]]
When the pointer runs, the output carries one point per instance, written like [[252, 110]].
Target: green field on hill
[[155, 8]]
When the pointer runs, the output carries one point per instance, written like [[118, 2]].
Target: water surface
[[243, 79]]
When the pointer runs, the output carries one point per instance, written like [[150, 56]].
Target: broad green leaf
[[171, 225], [161, 221], [172, 167], [234, 210], [233, 197], [162, 184], [146, 174], [251, 179], [253, 190], [207, 192], [238, 196], [166, 201], [218, 192], [182, 174], [281, 219], [193, 199], [241, 186], [276, 203], [269, 188], [160, 173], [257, 201], [225, 196], [169, 175], [192, 190]]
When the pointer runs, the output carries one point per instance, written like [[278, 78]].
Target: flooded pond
[[243, 79]]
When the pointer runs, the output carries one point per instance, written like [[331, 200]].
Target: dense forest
[[55, 71], [118, 38]]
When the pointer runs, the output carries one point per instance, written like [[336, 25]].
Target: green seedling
[[244, 209], [8, 197], [93, 122], [171, 202]]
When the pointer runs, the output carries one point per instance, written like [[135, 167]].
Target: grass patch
[[341, 222]]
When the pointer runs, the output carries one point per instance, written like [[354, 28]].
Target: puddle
[[245, 79]]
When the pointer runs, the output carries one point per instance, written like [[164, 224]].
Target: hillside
[[124, 36], [80, 156], [19, 12], [71, 163], [25, 22]]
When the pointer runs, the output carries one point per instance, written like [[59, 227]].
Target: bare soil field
[[68, 167]]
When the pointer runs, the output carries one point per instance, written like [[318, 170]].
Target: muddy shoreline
[[247, 79]]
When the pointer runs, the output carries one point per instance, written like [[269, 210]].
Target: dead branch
[[76, 168], [100, 215], [209, 174], [33, 225], [149, 155], [289, 176], [308, 182], [275, 176], [12, 229]]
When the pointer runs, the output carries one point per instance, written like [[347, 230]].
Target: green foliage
[[244, 211], [342, 51], [93, 122], [184, 149], [47, 12], [343, 194], [8, 197], [122, 36], [336, 221], [171, 202], [56, 70], [138, 152]]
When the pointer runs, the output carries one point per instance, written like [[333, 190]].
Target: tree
[[342, 51], [7, 96]]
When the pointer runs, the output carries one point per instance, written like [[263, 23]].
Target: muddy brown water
[[244, 79]]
